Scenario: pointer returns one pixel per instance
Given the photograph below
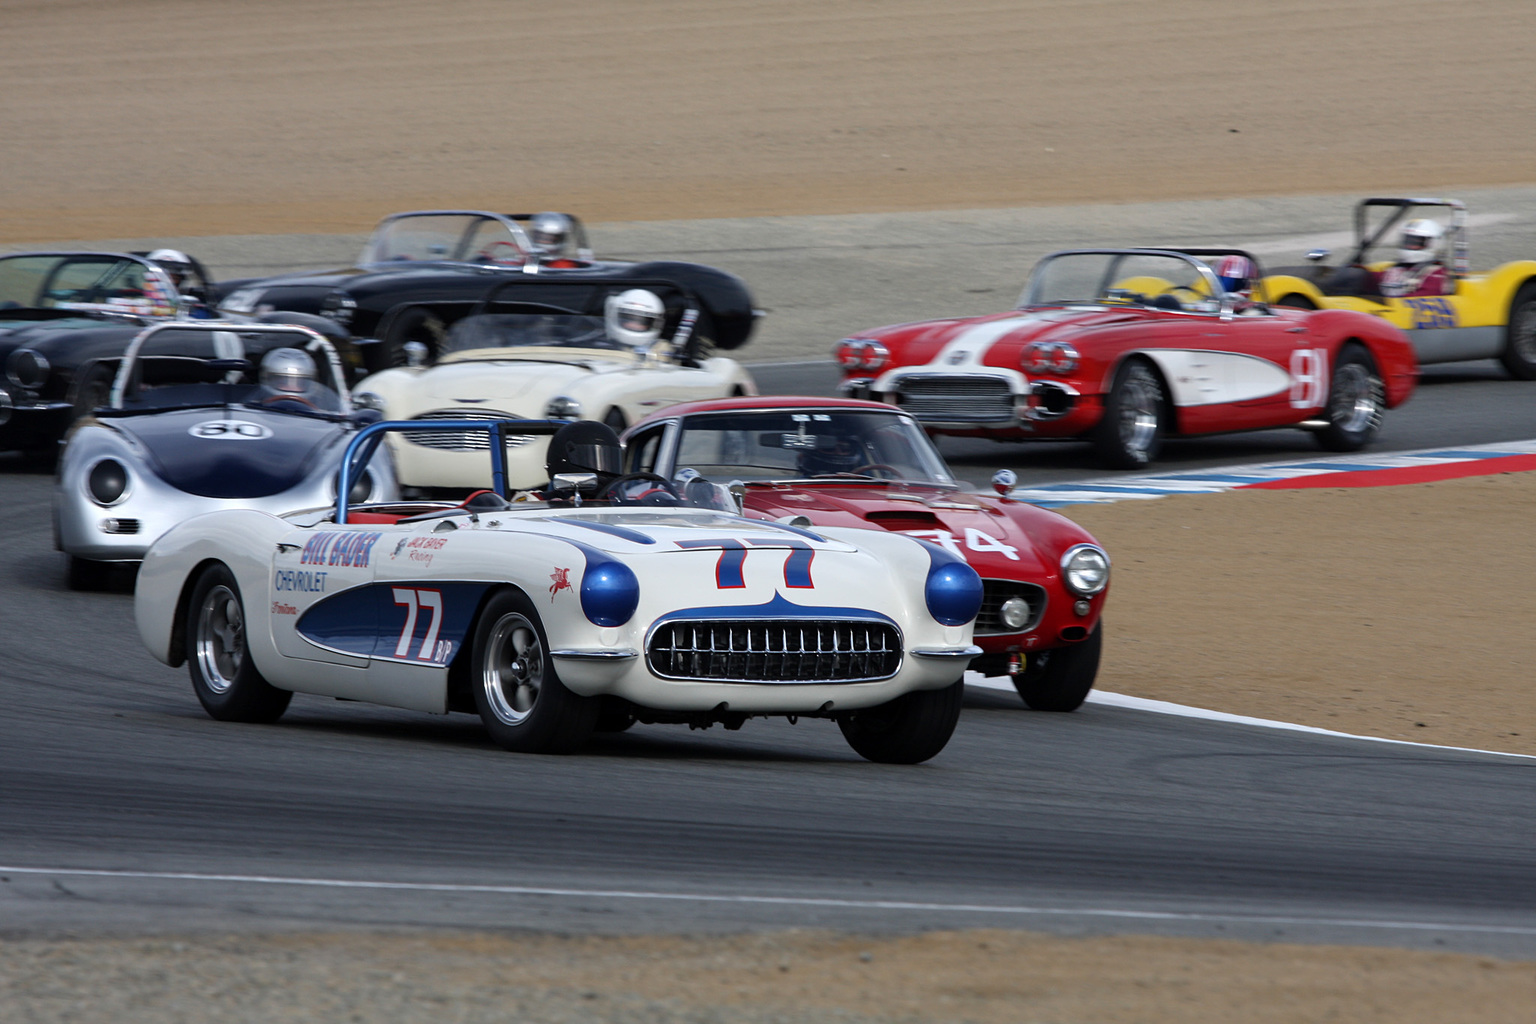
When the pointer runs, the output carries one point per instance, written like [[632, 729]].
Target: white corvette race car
[[552, 618]]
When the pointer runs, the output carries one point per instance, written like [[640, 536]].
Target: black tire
[[87, 574], [1130, 434], [1356, 402], [93, 389], [1059, 679], [908, 730], [412, 325], [1519, 355], [1297, 301], [521, 700], [615, 419], [224, 676]]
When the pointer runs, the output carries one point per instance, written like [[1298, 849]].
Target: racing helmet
[[1420, 242], [635, 317], [174, 262], [585, 446], [548, 232], [1234, 272], [287, 370], [834, 453]]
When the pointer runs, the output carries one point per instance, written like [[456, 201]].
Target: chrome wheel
[[1140, 411], [512, 672], [1355, 405], [220, 639], [1519, 355]]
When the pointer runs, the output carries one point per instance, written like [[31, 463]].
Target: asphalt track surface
[[125, 809]]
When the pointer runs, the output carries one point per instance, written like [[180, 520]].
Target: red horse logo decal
[[562, 578]]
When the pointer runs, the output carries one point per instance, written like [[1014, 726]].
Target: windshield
[[795, 445], [101, 281], [464, 237], [492, 333], [1161, 280], [189, 369]]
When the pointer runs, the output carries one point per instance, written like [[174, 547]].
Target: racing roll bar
[[361, 449]]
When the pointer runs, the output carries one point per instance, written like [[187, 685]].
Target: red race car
[[1122, 347], [838, 462]]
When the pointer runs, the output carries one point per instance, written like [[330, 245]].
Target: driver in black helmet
[[833, 454]]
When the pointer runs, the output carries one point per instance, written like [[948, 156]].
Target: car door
[[321, 606]]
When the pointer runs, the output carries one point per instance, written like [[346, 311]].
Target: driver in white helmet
[[178, 266], [288, 377], [635, 318], [1420, 266], [550, 233]]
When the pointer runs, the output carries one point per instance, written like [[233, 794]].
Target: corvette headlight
[[562, 407], [367, 400], [953, 590], [609, 593], [1085, 569], [241, 300], [28, 368], [107, 482], [861, 354]]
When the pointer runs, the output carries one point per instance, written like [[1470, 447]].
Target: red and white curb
[[1333, 471]]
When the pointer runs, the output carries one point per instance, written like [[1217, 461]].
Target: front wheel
[[1519, 355], [908, 730], [1131, 432], [522, 702], [1356, 400], [411, 325], [224, 677], [1059, 679]]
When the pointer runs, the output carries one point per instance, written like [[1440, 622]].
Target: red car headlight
[[1049, 357], [857, 354]]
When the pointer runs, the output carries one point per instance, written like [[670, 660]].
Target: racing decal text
[[346, 549], [975, 539], [431, 601], [562, 581], [307, 580], [278, 608], [733, 555], [1431, 312]]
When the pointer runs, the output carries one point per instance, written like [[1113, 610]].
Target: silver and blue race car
[[206, 415], [583, 608]]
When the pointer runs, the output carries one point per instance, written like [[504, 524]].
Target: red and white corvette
[[819, 462], [1123, 347]]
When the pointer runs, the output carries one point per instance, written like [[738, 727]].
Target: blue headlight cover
[[609, 590], [953, 590]]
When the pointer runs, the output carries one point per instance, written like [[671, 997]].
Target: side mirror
[[1004, 480], [739, 493], [415, 354], [1318, 255]]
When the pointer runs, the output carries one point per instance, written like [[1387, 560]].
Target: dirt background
[[1400, 612]]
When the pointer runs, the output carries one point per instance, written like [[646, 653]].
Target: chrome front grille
[[989, 621], [956, 397], [462, 440], [775, 650]]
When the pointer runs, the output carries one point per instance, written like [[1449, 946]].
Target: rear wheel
[[1131, 432], [1295, 301], [1059, 679], [1519, 355], [224, 677], [908, 730], [1356, 401], [522, 702]]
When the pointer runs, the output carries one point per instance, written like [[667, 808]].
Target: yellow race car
[[1409, 267]]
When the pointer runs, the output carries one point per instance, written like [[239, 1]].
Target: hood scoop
[[904, 519]]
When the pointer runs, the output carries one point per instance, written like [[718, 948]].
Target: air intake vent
[[462, 440], [775, 651]]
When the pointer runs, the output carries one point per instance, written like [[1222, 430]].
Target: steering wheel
[[287, 397], [489, 253], [617, 482], [1197, 293]]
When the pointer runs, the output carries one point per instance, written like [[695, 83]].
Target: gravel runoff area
[[186, 118]]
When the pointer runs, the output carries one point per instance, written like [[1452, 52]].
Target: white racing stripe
[[905, 906]]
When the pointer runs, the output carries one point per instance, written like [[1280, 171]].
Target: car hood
[[980, 528], [200, 451], [518, 386], [986, 339]]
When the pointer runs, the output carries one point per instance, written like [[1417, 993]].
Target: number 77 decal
[[432, 601]]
